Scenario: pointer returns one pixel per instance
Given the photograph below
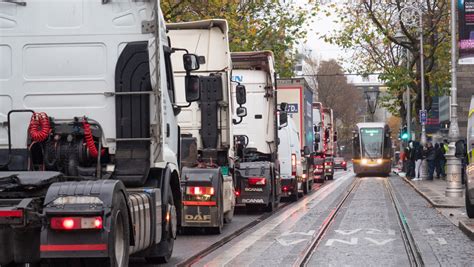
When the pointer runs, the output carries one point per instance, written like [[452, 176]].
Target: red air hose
[[40, 127], [90, 140]]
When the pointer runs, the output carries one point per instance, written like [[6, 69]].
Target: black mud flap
[[201, 213], [80, 243]]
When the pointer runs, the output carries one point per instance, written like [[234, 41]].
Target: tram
[[372, 149]]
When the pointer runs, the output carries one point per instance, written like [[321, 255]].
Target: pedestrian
[[418, 159], [430, 158], [440, 160], [410, 160]]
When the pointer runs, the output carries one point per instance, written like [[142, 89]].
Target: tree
[[334, 91], [273, 25], [369, 30]]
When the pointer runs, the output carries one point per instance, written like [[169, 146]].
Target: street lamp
[[402, 38], [371, 95], [453, 172], [412, 16]]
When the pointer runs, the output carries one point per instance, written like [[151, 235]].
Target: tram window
[[372, 142]]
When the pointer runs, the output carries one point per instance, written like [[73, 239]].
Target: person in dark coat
[[430, 158], [440, 160], [417, 157]]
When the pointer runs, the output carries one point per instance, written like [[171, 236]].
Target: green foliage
[[368, 33], [273, 25]]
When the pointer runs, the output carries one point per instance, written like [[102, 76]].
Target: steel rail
[[411, 248], [304, 256]]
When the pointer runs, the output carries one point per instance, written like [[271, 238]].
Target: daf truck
[[257, 171], [298, 95], [89, 140], [206, 125]]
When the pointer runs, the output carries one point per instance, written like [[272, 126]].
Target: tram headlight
[[379, 161], [364, 161]]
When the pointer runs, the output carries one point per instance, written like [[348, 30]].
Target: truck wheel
[[330, 177], [167, 242], [306, 187], [469, 206], [119, 237]]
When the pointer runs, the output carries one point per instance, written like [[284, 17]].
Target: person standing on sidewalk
[[430, 158], [418, 158], [440, 160], [410, 160]]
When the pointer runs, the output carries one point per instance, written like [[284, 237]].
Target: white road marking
[[310, 233], [442, 241], [230, 254], [379, 243], [354, 241], [289, 243], [347, 232], [430, 231]]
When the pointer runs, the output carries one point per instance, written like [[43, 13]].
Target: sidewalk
[[452, 208]]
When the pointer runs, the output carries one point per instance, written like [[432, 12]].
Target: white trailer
[[291, 165], [206, 124], [88, 133]]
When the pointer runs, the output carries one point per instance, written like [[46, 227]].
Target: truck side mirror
[[283, 119], [306, 151], [317, 137], [190, 62], [241, 112], [241, 94], [335, 137], [283, 106], [192, 88]]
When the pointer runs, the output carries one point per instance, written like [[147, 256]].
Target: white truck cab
[[289, 155]]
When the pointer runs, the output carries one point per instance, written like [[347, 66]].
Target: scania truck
[[89, 139], [298, 95], [206, 126], [257, 171]]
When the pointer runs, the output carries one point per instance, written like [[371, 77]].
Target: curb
[[425, 196], [467, 228]]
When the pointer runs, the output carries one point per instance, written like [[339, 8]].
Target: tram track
[[413, 253], [215, 246]]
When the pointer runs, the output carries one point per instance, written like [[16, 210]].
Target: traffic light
[[404, 135]]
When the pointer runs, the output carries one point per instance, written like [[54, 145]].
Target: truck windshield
[[371, 142]]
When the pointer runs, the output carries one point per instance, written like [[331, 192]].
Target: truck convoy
[[257, 171], [89, 140], [206, 126], [299, 97]]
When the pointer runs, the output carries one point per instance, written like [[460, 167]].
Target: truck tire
[[307, 186], [469, 206], [119, 237], [330, 177], [167, 243], [218, 230]]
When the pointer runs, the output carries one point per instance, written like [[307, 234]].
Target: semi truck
[[319, 145], [89, 140], [291, 164], [299, 98], [329, 142], [206, 125], [257, 171]]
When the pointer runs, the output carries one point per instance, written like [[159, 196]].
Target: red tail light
[[199, 190], [237, 193], [76, 223], [329, 163], [11, 213], [257, 181], [344, 163]]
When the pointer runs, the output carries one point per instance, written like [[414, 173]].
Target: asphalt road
[[190, 244], [365, 231]]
